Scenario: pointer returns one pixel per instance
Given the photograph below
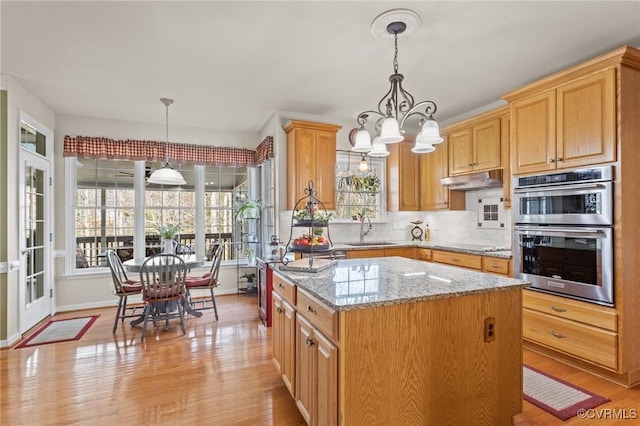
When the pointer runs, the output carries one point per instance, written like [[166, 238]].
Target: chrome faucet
[[364, 232]]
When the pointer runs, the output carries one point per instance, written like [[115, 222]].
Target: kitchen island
[[399, 341]]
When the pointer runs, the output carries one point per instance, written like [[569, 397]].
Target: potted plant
[[251, 258], [249, 209], [168, 234], [250, 280]]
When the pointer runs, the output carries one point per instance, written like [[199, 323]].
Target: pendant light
[[397, 105], [166, 175]]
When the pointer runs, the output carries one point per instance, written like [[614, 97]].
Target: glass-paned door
[[35, 288]]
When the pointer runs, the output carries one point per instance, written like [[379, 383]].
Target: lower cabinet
[[582, 330], [284, 334], [470, 261], [316, 375]]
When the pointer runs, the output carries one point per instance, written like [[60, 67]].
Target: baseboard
[[627, 380], [5, 344]]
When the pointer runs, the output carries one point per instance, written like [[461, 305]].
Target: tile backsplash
[[445, 226]]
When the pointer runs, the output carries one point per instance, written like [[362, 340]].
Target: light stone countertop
[[476, 249], [366, 283]]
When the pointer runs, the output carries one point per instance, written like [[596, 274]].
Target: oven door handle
[[546, 189], [540, 230]]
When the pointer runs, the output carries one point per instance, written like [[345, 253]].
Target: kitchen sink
[[371, 243]]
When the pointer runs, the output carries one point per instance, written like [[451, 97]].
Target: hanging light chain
[[395, 55]]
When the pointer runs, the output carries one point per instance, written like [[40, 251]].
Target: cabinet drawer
[[423, 254], [586, 313], [284, 288], [583, 341], [496, 265], [457, 259], [408, 252], [318, 314]]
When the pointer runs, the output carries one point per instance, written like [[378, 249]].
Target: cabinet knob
[[279, 310], [551, 161], [560, 159], [280, 285], [309, 342], [310, 309], [558, 335], [471, 164]]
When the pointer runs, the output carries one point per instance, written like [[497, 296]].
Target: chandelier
[[166, 175], [397, 105]]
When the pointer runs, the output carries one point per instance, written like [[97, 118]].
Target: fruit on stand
[[307, 241]]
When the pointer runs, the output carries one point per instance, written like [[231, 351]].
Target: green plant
[[249, 209], [248, 253], [250, 277], [168, 232]]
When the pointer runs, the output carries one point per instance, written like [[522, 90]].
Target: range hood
[[480, 180]]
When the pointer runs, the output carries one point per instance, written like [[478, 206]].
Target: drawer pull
[[309, 342], [558, 335], [496, 266], [279, 310], [280, 285], [310, 309], [455, 259], [557, 309]]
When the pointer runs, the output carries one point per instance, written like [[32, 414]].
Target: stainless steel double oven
[[563, 233]]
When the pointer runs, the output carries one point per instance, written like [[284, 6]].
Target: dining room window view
[[105, 208]]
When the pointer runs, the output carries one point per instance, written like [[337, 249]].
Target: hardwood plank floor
[[220, 373]]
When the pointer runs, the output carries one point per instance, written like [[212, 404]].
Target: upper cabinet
[[571, 124], [403, 185], [475, 148], [433, 167], [311, 155]]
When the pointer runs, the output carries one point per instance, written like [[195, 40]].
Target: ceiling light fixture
[[166, 175], [397, 105], [364, 166]]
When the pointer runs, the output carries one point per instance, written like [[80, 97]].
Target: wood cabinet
[[265, 292], [505, 122], [568, 126], [403, 186], [311, 155], [362, 254], [284, 330], [423, 254], [464, 260], [580, 329], [408, 252], [497, 265], [316, 375], [475, 148], [433, 167]]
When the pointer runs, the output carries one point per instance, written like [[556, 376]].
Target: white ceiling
[[230, 65]]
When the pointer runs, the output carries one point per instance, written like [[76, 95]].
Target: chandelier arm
[[407, 104], [386, 100], [364, 115], [429, 111]]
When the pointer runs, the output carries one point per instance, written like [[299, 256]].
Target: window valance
[[97, 147]]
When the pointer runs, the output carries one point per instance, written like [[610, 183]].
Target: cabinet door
[[433, 167], [533, 132], [460, 152], [277, 331], [408, 252], [327, 381], [325, 168], [505, 122], [306, 393], [586, 132], [486, 145], [363, 254], [289, 347], [403, 190], [301, 163]]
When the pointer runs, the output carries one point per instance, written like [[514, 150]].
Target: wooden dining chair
[[162, 277], [208, 281], [122, 287]]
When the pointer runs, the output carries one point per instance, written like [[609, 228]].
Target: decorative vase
[[168, 246], [251, 260]]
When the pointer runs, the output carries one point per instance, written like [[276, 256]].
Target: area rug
[[59, 331], [556, 396]]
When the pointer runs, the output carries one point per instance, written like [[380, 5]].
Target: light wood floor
[[218, 374]]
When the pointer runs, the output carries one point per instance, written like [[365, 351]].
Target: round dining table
[[191, 261]]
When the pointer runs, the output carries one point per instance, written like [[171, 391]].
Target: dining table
[[190, 260]]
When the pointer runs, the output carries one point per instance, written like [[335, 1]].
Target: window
[[105, 208], [359, 191]]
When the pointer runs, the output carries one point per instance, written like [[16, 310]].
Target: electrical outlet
[[489, 329]]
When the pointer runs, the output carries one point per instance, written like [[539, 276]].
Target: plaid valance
[[96, 147]]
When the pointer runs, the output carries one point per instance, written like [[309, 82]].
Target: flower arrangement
[[249, 209], [168, 232]]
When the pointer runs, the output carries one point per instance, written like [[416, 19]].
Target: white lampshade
[[378, 149], [422, 148], [430, 133], [166, 175], [363, 141], [390, 131]]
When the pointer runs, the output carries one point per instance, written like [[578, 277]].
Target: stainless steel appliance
[[563, 233]]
